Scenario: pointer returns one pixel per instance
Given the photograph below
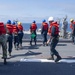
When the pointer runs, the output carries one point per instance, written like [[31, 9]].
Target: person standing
[[44, 30], [9, 27], [54, 38], [72, 26], [33, 28], [3, 41], [64, 28], [20, 33], [15, 35]]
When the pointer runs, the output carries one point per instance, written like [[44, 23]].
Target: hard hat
[[34, 21], [71, 20], [44, 20], [13, 23], [19, 23], [50, 19], [9, 22]]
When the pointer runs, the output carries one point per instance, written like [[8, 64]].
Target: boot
[[58, 58], [35, 43], [5, 61], [30, 43], [52, 57], [43, 44], [46, 44], [14, 45], [17, 47], [20, 45], [9, 53]]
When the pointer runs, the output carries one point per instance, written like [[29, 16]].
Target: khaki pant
[[4, 45]]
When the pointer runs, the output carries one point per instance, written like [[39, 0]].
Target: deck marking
[[46, 60]]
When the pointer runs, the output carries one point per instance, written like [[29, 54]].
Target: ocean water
[[26, 26]]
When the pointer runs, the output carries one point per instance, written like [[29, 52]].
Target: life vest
[[10, 28], [33, 27], [15, 29], [2, 28], [49, 29], [56, 25], [20, 27], [45, 25], [71, 25]]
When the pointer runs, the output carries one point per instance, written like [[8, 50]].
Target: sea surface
[[26, 26]]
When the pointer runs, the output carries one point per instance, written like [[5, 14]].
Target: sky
[[29, 10]]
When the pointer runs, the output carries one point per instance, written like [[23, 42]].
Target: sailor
[[33, 28], [54, 38], [20, 33], [3, 41], [9, 27], [44, 30], [15, 36], [72, 26]]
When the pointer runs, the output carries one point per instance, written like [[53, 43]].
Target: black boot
[[43, 44], [46, 44], [9, 53], [35, 42], [5, 61], [58, 58], [52, 57], [30, 43]]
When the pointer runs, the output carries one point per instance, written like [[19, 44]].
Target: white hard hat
[[50, 19], [71, 20]]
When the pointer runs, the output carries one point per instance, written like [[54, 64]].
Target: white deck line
[[46, 60]]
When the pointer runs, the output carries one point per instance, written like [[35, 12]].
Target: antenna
[[15, 21], [66, 16]]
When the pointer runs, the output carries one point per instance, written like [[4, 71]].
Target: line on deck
[[46, 60]]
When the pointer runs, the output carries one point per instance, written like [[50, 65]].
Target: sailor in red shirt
[[54, 38], [3, 40], [72, 26], [44, 30], [9, 27], [33, 28], [20, 33], [15, 35]]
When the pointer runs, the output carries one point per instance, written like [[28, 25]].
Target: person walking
[[9, 27], [20, 33], [33, 28], [72, 26], [44, 30], [15, 36], [54, 38], [3, 40]]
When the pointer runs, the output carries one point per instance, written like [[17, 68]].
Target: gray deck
[[15, 67]]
